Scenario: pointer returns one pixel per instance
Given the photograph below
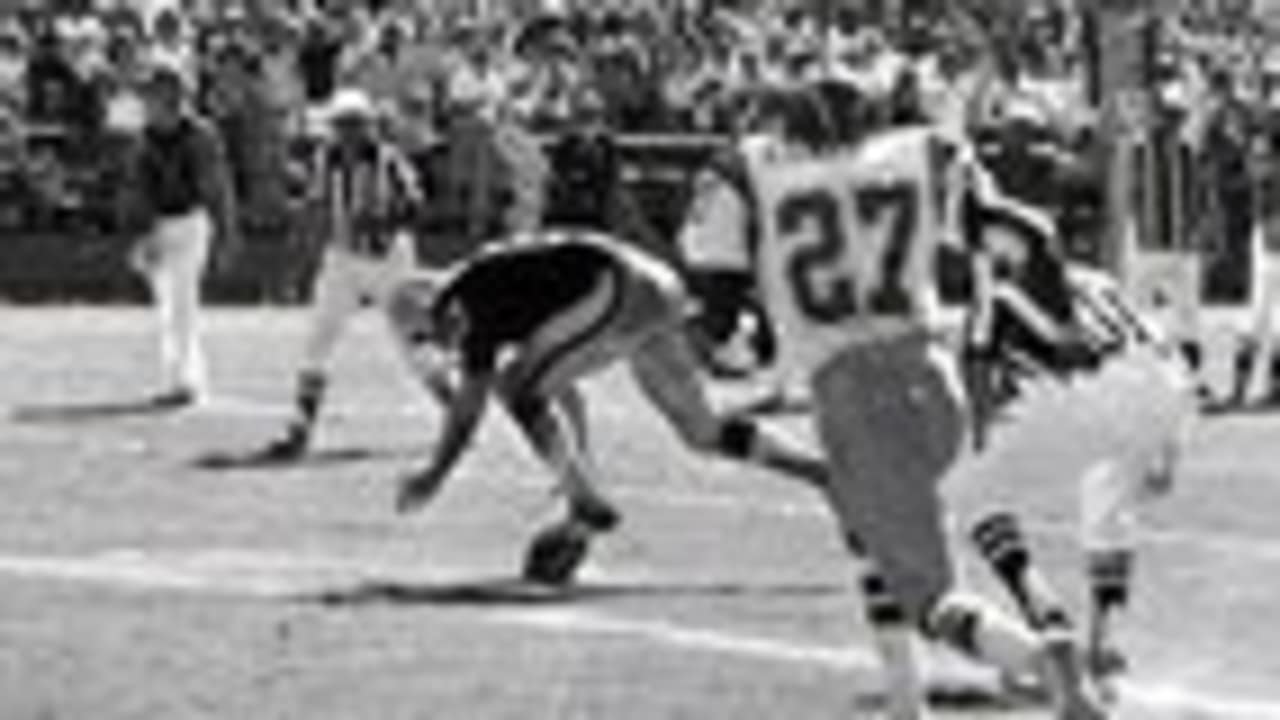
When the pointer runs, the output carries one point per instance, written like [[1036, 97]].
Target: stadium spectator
[[13, 64], [490, 181], [171, 41], [319, 57], [585, 188], [383, 69], [118, 83], [55, 92]]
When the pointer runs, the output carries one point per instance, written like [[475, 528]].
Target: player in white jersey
[[844, 254], [1082, 390]]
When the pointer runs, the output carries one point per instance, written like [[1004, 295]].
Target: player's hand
[[415, 492]]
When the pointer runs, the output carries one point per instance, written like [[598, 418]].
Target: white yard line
[[1260, 549], [222, 572], [1153, 697]]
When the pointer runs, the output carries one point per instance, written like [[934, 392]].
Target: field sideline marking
[[182, 572]]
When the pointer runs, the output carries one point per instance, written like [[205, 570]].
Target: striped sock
[[1000, 540]]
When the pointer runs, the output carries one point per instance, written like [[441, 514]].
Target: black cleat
[[173, 400], [1106, 662], [598, 515], [289, 448], [556, 554]]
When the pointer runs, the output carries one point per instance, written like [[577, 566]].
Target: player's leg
[[983, 491], [537, 386], [846, 406], [337, 295], [896, 640], [892, 424], [549, 426], [191, 363], [667, 370], [559, 549], [999, 539], [1149, 404], [1106, 526], [182, 247]]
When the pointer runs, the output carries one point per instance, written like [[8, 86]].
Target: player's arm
[[717, 263], [408, 200], [462, 416], [979, 364]]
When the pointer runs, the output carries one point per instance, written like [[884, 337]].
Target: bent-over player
[[531, 318]]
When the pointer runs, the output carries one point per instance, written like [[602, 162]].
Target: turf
[[143, 580]]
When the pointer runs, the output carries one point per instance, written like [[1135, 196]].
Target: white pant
[[347, 282], [172, 257], [1107, 431]]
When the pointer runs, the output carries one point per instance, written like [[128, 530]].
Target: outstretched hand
[[415, 492]]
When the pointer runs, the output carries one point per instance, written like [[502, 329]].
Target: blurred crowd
[[69, 80]]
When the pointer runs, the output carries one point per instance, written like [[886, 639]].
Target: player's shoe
[[176, 399], [1106, 665], [597, 514], [558, 551], [1073, 694], [291, 446], [1105, 662], [556, 554]]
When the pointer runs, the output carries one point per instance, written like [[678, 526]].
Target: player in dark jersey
[[527, 320]]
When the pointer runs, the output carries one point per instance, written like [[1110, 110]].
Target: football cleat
[[1106, 662], [556, 554], [596, 514], [174, 399], [287, 448]]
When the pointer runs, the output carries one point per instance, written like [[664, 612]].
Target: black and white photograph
[[639, 359]]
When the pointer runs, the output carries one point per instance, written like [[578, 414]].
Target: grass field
[[138, 585]]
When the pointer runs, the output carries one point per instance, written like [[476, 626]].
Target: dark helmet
[[853, 113], [805, 119]]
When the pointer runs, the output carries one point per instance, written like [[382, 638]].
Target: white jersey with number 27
[[848, 243]]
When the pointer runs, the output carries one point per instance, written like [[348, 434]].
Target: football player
[[1077, 388], [527, 320], [841, 245]]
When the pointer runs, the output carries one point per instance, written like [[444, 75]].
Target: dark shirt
[[55, 92], [585, 173], [505, 296], [173, 164], [318, 62]]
